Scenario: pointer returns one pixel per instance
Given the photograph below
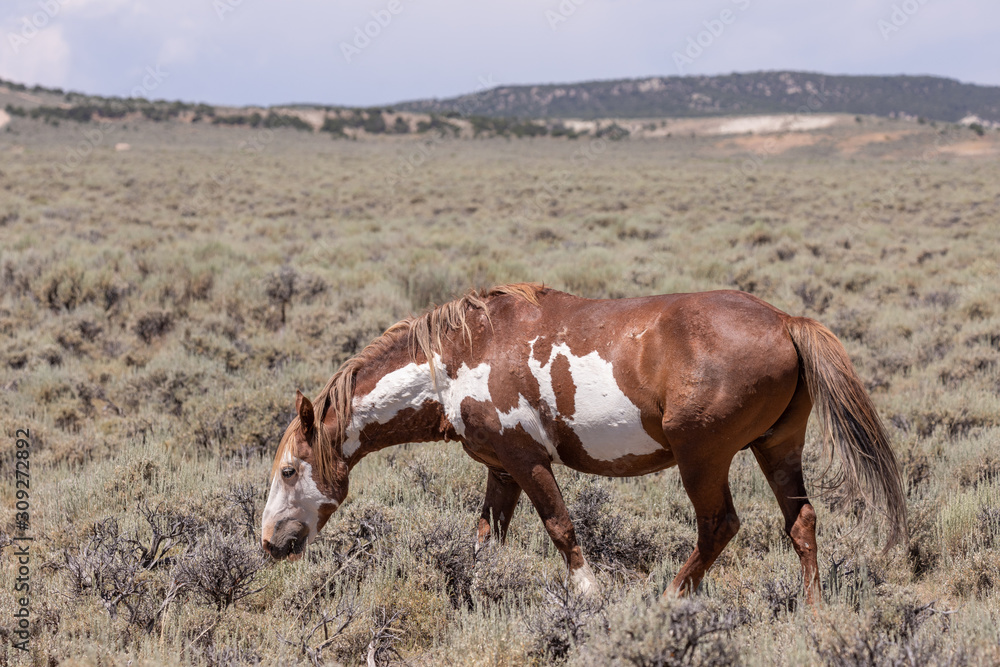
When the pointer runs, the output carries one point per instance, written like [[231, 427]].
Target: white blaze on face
[[296, 497], [607, 423]]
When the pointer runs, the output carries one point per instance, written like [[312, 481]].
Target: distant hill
[[612, 109], [934, 98]]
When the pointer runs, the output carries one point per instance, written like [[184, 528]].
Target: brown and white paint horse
[[526, 377]]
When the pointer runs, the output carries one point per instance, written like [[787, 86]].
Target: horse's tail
[[852, 429]]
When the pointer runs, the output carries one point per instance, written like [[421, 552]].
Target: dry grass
[[159, 307]]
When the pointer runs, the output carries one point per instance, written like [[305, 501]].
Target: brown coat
[[525, 376]]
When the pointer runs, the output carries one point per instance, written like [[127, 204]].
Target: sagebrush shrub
[[502, 573], [125, 571], [221, 569], [606, 536], [563, 620], [448, 544], [153, 324], [664, 633]]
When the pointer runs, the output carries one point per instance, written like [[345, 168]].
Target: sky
[[376, 52]]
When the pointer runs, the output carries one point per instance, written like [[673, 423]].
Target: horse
[[526, 377]]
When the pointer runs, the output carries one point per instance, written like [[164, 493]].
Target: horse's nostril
[[266, 546]]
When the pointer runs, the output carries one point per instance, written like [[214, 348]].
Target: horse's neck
[[394, 408]]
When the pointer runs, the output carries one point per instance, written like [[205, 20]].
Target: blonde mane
[[424, 334]]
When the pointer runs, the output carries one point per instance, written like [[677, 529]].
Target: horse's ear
[[305, 410]]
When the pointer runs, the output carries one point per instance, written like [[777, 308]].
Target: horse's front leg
[[534, 475], [502, 494]]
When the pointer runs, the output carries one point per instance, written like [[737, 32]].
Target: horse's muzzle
[[288, 540]]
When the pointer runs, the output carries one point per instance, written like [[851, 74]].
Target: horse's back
[[608, 383]]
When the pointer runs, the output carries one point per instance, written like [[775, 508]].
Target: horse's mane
[[423, 334]]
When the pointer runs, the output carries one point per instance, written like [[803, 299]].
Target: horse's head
[[308, 483]]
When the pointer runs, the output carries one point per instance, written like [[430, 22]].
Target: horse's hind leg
[[780, 457], [707, 485], [502, 494]]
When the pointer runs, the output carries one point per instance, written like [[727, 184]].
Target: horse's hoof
[[584, 582]]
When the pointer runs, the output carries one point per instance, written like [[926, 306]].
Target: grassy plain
[[159, 306]]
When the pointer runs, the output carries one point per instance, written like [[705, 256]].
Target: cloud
[[40, 56], [98, 7], [177, 50]]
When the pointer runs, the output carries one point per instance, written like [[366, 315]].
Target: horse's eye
[[287, 472]]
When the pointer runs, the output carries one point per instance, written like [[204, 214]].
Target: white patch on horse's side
[[300, 501], [411, 387], [352, 442], [406, 387], [543, 375], [607, 423], [471, 383], [531, 421]]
